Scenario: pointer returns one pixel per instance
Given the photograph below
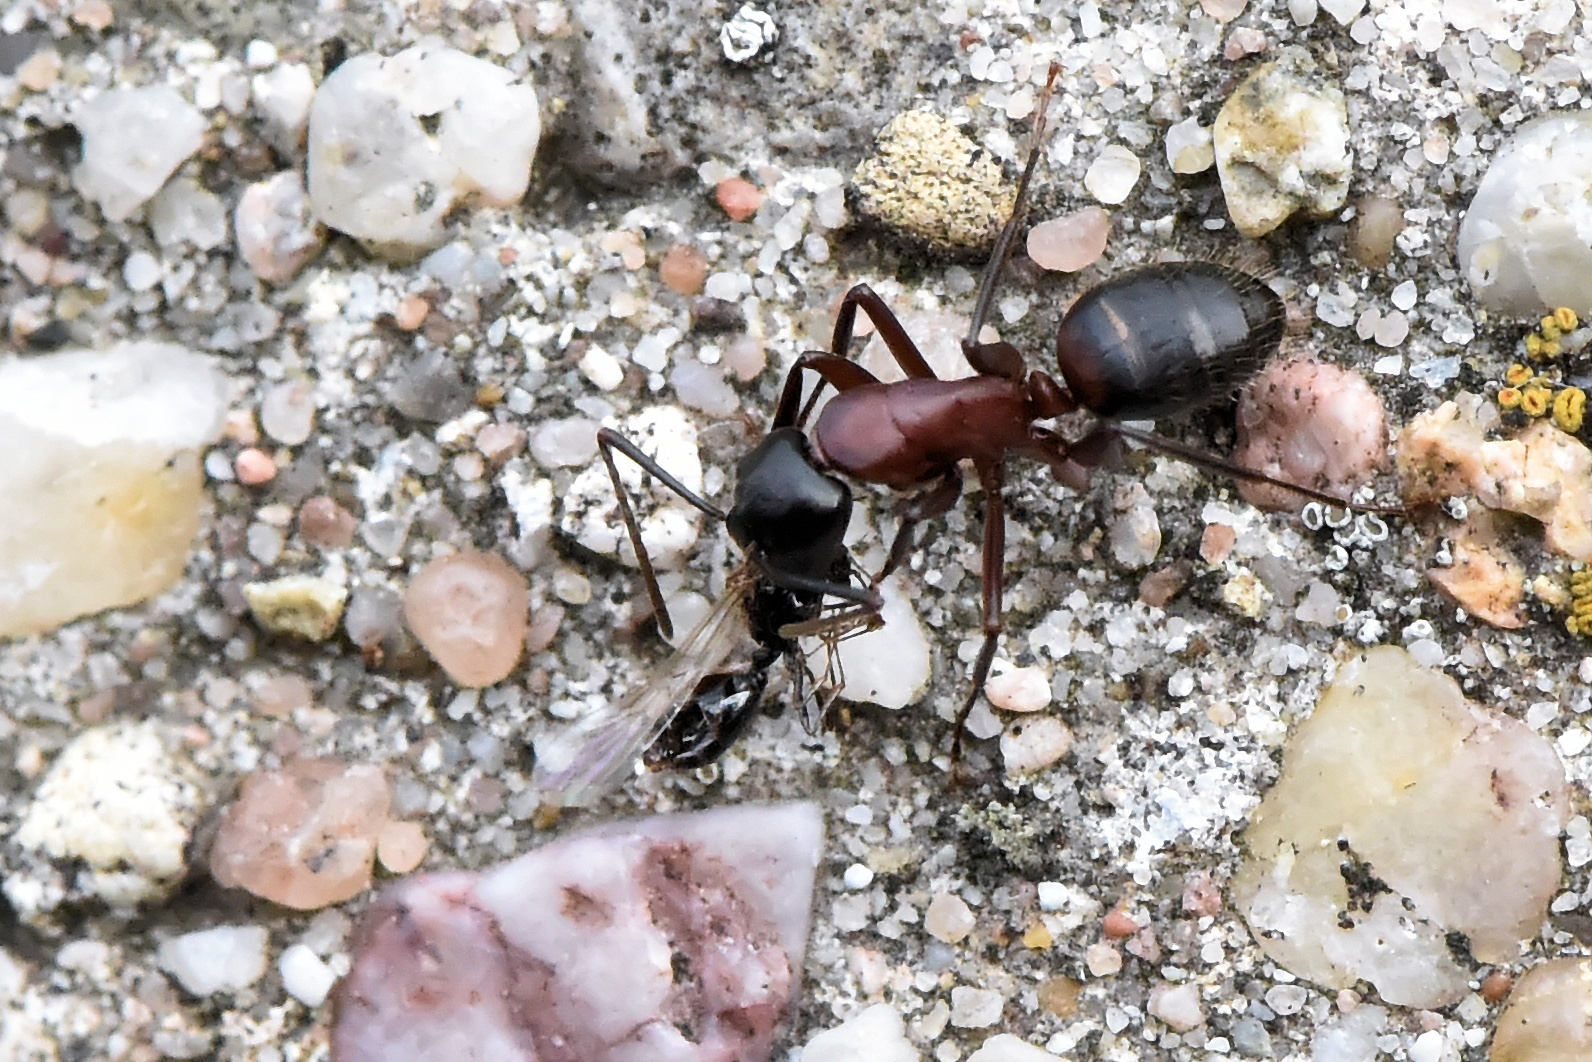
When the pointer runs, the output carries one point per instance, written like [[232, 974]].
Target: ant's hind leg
[[608, 441]]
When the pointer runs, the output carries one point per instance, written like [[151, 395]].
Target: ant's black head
[[788, 510]]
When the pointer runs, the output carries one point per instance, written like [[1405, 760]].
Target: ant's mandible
[[1158, 340]]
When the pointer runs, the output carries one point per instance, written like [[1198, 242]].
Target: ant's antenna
[[1003, 243]]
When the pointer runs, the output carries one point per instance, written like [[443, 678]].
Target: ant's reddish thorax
[[906, 433]]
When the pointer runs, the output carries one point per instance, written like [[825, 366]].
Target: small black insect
[[790, 519]]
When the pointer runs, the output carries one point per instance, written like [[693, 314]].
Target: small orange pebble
[[254, 467], [411, 312], [684, 269], [1496, 985], [401, 846], [507, 256], [1117, 925], [739, 197], [1217, 542]]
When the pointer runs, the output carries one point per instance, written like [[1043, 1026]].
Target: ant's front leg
[[608, 441], [836, 371], [906, 353]]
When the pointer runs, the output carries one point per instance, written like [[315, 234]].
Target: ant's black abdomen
[[1167, 339]]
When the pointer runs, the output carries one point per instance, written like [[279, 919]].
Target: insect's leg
[[936, 501], [991, 477], [608, 441], [867, 597], [1222, 466], [842, 374], [905, 352], [983, 356], [902, 349]]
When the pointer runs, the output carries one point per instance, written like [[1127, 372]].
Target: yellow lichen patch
[[1569, 409], [1509, 398], [1518, 375], [1580, 618], [1535, 400], [1543, 344]]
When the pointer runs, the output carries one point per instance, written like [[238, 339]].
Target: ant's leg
[[829, 365], [1225, 467], [936, 501], [867, 597], [1003, 243], [608, 441], [838, 372], [991, 477], [902, 349]]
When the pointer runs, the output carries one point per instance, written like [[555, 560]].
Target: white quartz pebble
[[397, 143], [223, 959], [133, 139]]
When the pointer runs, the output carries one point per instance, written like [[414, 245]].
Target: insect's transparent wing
[[592, 755]]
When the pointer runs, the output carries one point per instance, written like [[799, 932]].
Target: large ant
[[1157, 340], [1154, 341]]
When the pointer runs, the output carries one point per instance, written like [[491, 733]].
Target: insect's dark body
[[1167, 339], [723, 703], [791, 519]]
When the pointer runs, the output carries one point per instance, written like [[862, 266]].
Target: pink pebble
[[1309, 423], [254, 467], [469, 611], [1068, 244], [303, 836], [678, 937], [739, 197]]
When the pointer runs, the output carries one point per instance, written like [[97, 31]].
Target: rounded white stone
[[1020, 689], [133, 139], [1520, 243], [1189, 148], [1112, 175], [888, 666], [397, 143], [877, 1034], [1004, 1047], [975, 1008], [948, 917], [1034, 743], [1178, 1006]]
